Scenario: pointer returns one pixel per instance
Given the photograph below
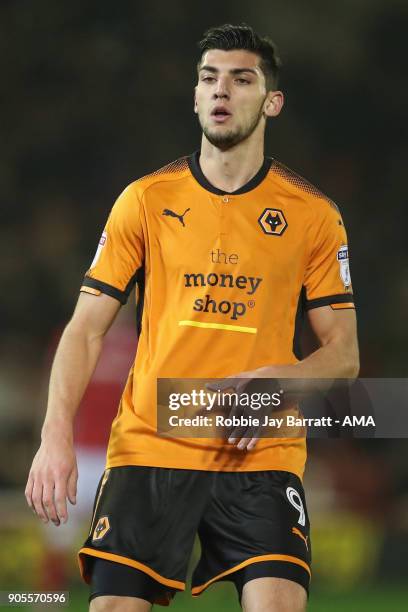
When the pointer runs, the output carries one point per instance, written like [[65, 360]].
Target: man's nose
[[222, 90]]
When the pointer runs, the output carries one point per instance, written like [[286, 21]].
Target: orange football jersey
[[220, 276]]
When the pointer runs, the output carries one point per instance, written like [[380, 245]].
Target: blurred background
[[96, 94]]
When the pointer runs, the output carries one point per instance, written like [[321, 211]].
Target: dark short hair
[[229, 37]]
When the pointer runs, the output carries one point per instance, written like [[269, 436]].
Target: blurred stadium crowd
[[97, 94]]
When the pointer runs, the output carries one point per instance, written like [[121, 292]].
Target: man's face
[[230, 96]]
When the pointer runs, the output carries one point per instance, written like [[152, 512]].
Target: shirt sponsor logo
[[343, 259], [234, 309]]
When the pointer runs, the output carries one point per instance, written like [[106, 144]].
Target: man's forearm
[[74, 364], [335, 360]]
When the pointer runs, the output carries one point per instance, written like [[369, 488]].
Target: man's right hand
[[52, 479], [54, 474]]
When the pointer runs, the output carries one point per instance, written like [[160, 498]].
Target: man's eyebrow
[[233, 71], [240, 70], [208, 68]]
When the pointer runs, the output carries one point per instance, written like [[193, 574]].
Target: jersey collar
[[195, 168]]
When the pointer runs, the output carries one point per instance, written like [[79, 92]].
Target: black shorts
[[250, 525]]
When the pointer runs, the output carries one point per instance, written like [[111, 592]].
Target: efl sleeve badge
[[343, 259]]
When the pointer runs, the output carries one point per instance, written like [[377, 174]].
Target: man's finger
[[29, 491], [243, 430], [242, 444], [37, 500], [253, 442], [252, 435], [72, 485], [60, 500], [48, 501], [236, 431], [237, 434]]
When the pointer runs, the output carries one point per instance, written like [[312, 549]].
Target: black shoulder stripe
[[300, 182], [299, 324], [131, 283], [140, 279], [178, 165], [341, 298]]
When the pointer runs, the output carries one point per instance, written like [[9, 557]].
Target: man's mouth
[[220, 114]]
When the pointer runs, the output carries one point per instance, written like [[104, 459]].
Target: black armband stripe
[[341, 298], [94, 283]]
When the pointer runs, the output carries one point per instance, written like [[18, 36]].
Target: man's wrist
[[58, 426]]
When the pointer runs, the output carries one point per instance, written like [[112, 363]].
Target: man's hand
[[52, 479], [53, 475], [246, 438]]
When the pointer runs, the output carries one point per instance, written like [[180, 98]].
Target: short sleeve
[[120, 253], [327, 279]]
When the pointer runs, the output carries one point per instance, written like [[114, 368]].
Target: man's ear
[[273, 103], [195, 100]]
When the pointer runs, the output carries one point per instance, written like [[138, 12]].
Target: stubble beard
[[227, 140]]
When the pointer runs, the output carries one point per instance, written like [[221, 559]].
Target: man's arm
[[337, 357], [53, 475]]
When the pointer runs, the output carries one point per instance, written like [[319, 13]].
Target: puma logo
[[170, 213], [297, 532]]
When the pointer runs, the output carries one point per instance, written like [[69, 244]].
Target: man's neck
[[232, 169]]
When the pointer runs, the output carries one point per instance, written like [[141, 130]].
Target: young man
[[223, 244]]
